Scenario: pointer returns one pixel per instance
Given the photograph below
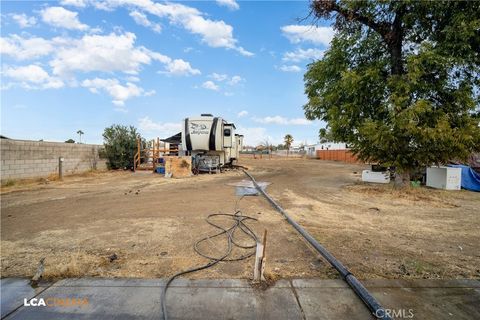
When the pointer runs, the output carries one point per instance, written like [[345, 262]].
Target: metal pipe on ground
[[372, 304]]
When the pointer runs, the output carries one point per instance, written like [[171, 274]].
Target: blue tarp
[[470, 179]]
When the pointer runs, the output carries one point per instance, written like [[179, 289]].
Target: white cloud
[[179, 67], [161, 129], [132, 79], [141, 19], [230, 4], [301, 54], [210, 85], [111, 53], [219, 77], [62, 18], [235, 80], [313, 34], [242, 113], [215, 33], [74, 3], [32, 77], [101, 53], [282, 120], [23, 20], [31, 73], [254, 136], [225, 77], [244, 52], [25, 48], [292, 68], [119, 93]]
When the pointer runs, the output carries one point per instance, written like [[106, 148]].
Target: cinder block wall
[[21, 159]]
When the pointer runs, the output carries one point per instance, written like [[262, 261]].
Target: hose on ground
[[238, 224], [372, 304]]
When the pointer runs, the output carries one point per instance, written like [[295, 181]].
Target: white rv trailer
[[211, 141]]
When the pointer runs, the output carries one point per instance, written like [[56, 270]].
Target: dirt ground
[[151, 223]]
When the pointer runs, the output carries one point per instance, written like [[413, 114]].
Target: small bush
[[120, 146], [9, 183], [102, 154]]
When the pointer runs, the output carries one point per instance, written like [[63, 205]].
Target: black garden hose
[[229, 233]]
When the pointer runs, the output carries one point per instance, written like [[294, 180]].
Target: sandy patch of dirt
[[380, 232], [151, 223]]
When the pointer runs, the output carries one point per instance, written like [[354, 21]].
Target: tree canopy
[[400, 82], [120, 146], [288, 139]]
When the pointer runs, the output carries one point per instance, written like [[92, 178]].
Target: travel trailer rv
[[211, 141]]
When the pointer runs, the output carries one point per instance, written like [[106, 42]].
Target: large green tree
[[120, 146], [400, 82]]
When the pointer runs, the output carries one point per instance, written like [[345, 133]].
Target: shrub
[[120, 146]]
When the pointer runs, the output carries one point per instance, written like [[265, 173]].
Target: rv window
[[226, 132]]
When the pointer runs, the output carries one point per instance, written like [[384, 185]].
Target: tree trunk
[[394, 40], [402, 179]]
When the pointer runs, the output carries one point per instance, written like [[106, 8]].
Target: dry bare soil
[[151, 223]]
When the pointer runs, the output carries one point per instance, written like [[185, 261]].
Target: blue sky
[[84, 64]]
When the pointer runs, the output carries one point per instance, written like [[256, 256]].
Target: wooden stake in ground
[[260, 260]]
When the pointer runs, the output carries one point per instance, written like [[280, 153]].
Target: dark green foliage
[[288, 139], [120, 146], [102, 154], [400, 82], [325, 135], [70, 141]]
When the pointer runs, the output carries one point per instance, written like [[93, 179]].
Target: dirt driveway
[[151, 224]]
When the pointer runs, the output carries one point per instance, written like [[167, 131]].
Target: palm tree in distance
[[79, 132], [288, 139]]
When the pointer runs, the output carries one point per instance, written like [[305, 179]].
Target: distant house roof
[[175, 139]]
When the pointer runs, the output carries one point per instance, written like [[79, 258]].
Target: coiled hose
[[238, 223]]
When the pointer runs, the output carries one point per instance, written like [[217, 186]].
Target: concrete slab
[[14, 290], [107, 299], [238, 302], [187, 299], [430, 299], [236, 299], [331, 299], [407, 299]]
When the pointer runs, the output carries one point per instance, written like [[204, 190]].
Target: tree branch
[[324, 7]]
